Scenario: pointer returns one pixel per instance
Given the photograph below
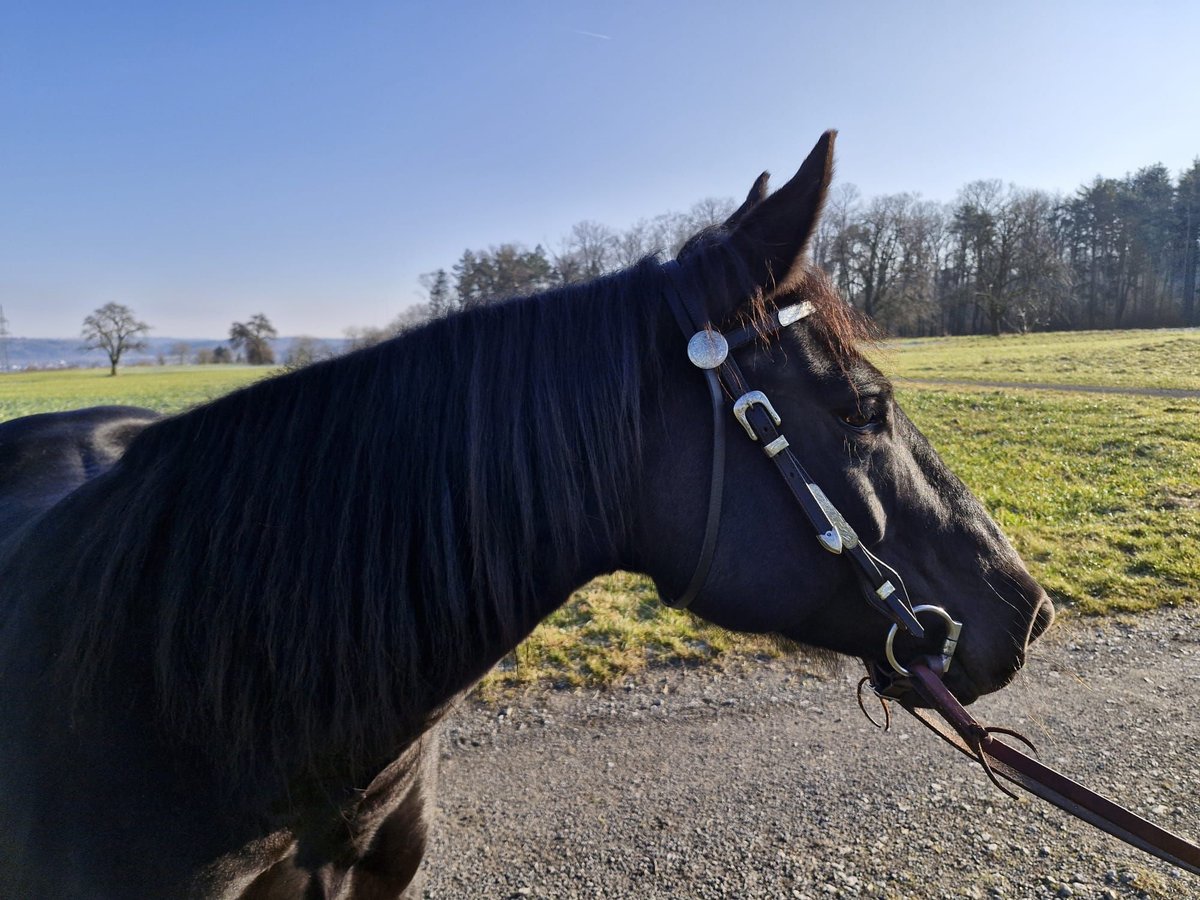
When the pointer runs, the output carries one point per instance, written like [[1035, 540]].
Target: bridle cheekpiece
[[710, 351]]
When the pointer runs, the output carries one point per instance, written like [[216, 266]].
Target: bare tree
[[180, 351], [361, 337], [114, 329], [304, 351], [708, 212], [412, 317], [829, 248], [1041, 275], [594, 246], [634, 244]]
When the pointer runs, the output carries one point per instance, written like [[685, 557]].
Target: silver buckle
[[749, 399]]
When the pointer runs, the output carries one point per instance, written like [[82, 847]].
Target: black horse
[[223, 651]]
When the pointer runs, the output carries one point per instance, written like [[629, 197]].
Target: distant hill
[[46, 353]]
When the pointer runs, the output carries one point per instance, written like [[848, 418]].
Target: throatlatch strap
[[716, 492], [712, 525]]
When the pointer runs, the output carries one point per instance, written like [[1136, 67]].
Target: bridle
[[709, 350], [920, 680]]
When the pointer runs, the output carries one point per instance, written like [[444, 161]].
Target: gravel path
[[768, 782]]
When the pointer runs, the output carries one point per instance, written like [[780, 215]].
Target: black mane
[[301, 552], [314, 554], [224, 639]]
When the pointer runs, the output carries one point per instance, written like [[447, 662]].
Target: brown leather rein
[[961, 730], [882, 588]]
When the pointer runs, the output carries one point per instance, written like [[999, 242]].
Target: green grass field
[[1167, 358], [1100, 493], [164, 388]]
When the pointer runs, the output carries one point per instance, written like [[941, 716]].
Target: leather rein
[[920, 681], [963, 732]]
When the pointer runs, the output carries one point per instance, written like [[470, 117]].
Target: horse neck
[[317, 564]]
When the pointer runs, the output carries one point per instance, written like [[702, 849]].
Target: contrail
[[603, 37]]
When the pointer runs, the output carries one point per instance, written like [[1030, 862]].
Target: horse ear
[[772, 233], [758, 193]]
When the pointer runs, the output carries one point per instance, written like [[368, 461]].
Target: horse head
[[840, 421]]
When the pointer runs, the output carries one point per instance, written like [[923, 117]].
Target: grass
[[612, 627], [1164, 358], [1100, 493], [164, 388]]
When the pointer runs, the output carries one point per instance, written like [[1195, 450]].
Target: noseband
[[710, 351]]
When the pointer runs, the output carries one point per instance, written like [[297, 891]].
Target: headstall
[[918, 681], [710, 351]]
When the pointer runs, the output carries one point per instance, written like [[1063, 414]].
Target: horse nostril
[[1043, 616]]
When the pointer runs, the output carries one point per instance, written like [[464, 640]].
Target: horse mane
[[307, 555], [335, 550]]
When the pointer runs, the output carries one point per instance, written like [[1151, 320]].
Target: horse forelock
[[842, 330], [318, 553]]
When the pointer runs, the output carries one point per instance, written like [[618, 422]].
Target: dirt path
[[1182, 393], [769, 783]]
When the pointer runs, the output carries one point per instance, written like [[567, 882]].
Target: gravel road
[[768, 782]]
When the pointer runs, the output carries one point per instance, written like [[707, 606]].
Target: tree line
[[1117, 253], [589, 250]]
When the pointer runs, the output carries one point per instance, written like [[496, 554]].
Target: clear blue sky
[[202, 162]]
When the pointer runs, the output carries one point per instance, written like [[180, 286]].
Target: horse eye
[[866, 418]]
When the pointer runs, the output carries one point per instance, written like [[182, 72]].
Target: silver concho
[[707, 349]]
